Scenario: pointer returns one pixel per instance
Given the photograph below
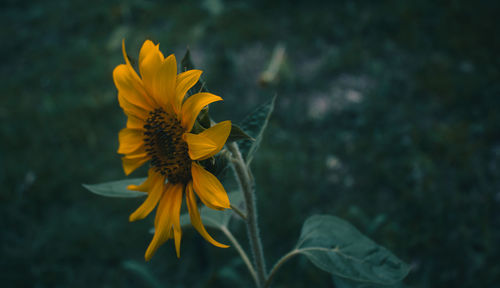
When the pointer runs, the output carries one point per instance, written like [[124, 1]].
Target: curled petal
[[194, 214], [192, 107], [208, 188], [184, 82], [147, 185], [209, 142], [154, 193]]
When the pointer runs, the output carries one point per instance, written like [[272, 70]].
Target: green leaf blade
[[186, 62], [116, 189], [238, 134], [254, 126], [346, 283], [337, 247]]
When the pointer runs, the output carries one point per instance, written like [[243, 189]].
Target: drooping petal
[[194, 214], [130, 140], [208, 188], [164, 83], [154, 195], [147, 185], [167, 213], [150, 60], [192, 107], [209, 142], [185, 81], [177, 233], [130, 163]]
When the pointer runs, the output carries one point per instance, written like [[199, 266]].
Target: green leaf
[[186, 62], [254, 125], [204, 118], [346, 283], [214, 218], [238, 134], [337, 247], [216, 165], [116, 188]]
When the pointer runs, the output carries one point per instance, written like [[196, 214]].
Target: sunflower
[[158, 130]]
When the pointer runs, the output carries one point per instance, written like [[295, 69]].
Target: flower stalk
[[278, 265], [245, 180], [242, 253]]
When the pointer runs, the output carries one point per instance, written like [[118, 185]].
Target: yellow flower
[[158, 126]]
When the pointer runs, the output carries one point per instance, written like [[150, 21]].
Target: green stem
[[239, 212], [240, 250], [278, 265], [245, 180]]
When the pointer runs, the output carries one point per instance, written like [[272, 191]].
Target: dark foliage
[[387, 116]]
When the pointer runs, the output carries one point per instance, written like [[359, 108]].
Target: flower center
[[164, 144]]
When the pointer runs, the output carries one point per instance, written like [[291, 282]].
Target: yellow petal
[[167, 213], [199, 145], [124, 52], [218, 133], [177, 237], [131, 109], [150, 60], [147, 47], [134, 123], [130, 140], [131, 163], [209, 142], [147, 184], [184, 82], [131, 87], [154, 195], [135, 78], [194, 214], [139, 153], [192, 107], [128, 80], [208, 188], [164, 83]]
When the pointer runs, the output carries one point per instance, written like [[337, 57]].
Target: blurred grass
[[387, 116]]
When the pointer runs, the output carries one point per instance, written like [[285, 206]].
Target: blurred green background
[[387, 116]]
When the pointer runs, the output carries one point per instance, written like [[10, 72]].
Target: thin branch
[[239, 212], [240, 250], [278, 264], [245, 180]]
